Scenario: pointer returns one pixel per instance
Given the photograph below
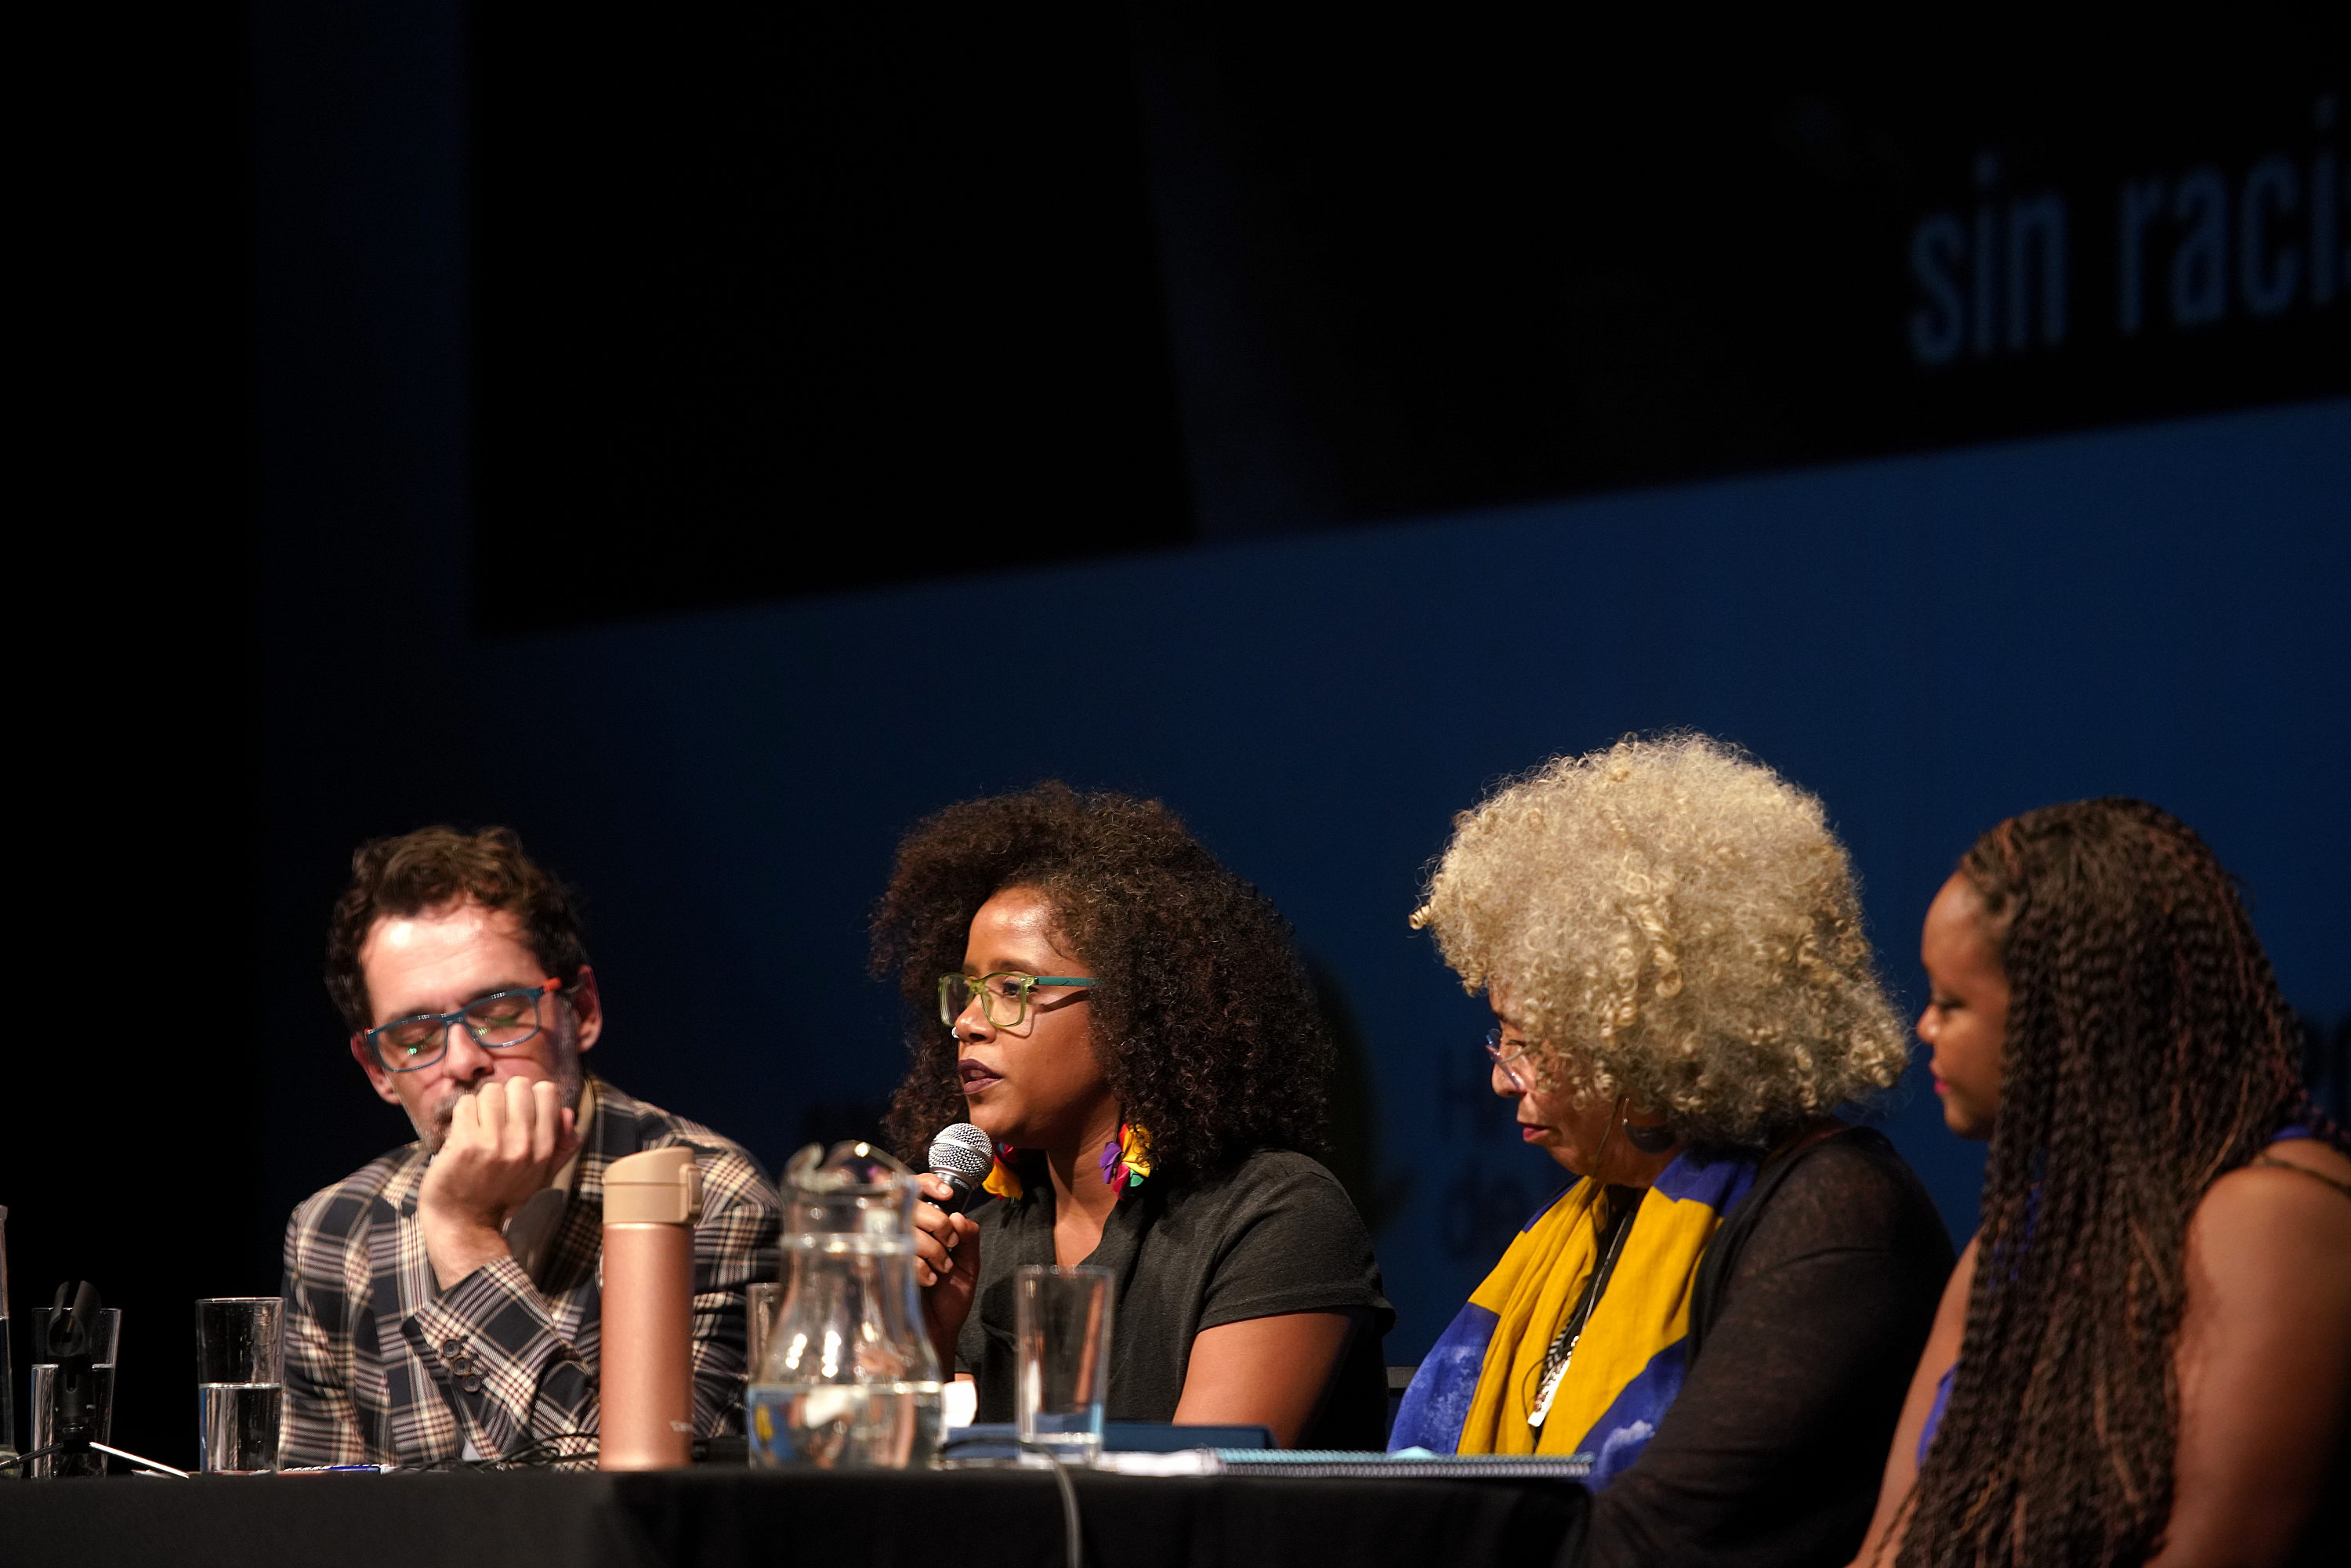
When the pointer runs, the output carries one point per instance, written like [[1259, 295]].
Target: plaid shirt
[[383, 1367]]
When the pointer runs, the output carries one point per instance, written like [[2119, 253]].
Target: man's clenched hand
[[507, 1140]]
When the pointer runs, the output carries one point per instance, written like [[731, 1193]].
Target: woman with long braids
[[1127, 1022], [1722, 1310], [2143, 1354]]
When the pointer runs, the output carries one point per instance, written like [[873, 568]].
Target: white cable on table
[[151, 1464]]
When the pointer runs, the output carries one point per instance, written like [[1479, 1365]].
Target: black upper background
[[780, 299], [1507, 260], [776, 302], [128, 1118]]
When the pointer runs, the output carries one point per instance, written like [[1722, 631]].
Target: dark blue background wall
[[1930, 644], [259, 375]]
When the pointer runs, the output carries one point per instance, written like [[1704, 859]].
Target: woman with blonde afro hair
[[1671, 941]]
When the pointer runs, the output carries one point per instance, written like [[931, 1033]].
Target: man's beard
[[570, 1080]]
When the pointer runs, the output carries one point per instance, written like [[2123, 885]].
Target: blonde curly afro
[[1671, 921]]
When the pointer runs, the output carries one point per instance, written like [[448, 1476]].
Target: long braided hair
[[2148, 1053]]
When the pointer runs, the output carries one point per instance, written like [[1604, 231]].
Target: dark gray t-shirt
[[1277, 1235]]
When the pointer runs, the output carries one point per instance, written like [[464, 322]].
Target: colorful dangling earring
[[1126, 1159], [1003, 1181]]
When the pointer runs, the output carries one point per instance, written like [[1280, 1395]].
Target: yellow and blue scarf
[[1478, 1384]]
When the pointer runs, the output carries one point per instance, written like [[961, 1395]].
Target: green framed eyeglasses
[[1003, 996]]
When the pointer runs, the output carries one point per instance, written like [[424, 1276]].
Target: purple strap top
[[2285, 1134]]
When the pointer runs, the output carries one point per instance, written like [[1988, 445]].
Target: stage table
[[717, 1517]]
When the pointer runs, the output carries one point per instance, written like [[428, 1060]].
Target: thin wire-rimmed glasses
[[1003, 996], [1507, 1060], [499, 1021]]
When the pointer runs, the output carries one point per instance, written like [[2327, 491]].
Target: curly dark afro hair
[[1204, 1017]]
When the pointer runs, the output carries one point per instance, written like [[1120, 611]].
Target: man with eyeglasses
[[444, 1302]]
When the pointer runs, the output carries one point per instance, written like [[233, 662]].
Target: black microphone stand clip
[[76, 1409]]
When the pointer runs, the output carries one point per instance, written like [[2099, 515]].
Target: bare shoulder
[[2310, 1155], [2303, 1186], [1951, 1312], [2264, 1357], [2268, 1223]]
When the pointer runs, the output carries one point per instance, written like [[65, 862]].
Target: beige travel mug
[[645, 1420]]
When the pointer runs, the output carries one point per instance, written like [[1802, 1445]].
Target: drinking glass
[[760, 1321], [105, 1335], [240, 1382], [1062, 1327], [7, 1366]]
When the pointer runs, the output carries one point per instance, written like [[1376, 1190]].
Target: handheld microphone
[[962, 1156]]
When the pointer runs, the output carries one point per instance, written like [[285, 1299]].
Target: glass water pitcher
[[849, 1379]]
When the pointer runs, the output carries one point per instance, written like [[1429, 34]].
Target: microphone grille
[[962, 1150]]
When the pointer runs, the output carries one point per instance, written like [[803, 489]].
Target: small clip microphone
[[962, 1156]]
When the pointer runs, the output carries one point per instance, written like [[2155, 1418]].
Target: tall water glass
[[1062, 1327], [105, 1335], [762, 1302], [240, 1382], [7, 1366]]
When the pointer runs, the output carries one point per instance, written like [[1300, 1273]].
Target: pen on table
[[337, 1469]]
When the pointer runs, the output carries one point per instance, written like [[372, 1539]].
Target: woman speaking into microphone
[[1126, 1021]]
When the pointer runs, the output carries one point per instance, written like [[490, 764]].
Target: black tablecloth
[[723, 1516]]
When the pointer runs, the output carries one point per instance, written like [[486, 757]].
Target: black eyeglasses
[[499, 1021]]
